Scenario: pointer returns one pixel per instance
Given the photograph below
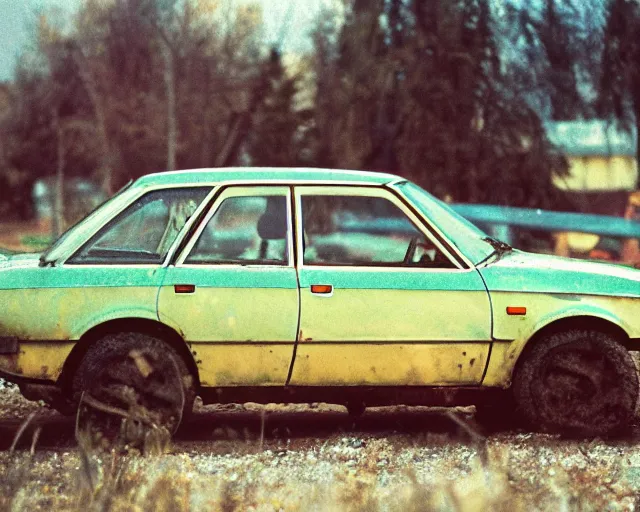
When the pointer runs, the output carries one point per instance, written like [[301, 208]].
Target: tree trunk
[[57, 225], [233, 140], [106, 158], [170, 86], [637, 120], [205, 156], [239, 127]]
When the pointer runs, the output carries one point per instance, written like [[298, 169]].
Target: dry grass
[[261, 470], [343, 473]]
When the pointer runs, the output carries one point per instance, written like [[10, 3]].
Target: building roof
[[592, 138], [266, 174]]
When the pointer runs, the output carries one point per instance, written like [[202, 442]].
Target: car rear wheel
[[133, 389], [577, 382]]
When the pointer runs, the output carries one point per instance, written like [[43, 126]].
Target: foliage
[[106, 81], [451, 93], [553, 48], [620, 82], [418, 88]]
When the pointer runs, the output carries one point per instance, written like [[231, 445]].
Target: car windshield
[[45, 256], [467, 237]]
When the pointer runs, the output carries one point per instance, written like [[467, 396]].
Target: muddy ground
[[279, 457]]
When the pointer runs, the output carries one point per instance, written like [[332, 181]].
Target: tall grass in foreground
[[325, 475], [122, 483]]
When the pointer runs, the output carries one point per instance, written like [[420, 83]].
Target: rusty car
[[312, 285]]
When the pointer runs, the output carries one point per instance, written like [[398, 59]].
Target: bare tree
[[106, 168], [57, 226]]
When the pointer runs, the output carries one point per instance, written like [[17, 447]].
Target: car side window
[[244, 230], [366, 231], [144, 231]]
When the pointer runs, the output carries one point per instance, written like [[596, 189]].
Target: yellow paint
[[67, 313], [42, 360], [399, 315], [360, 316], [232, 314], [393, 364], [599, 173], [229, 329], [501, 364], [248, 364]]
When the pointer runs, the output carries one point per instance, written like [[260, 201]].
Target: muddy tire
[[577, 382], [131, 388]]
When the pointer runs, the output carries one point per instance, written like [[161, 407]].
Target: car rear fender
[[149, 326], [85, 325]]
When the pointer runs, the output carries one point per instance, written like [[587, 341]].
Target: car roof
[[265, 175]]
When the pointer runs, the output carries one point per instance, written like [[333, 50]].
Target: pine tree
[[272, 141], [417, 87], [620, 83]]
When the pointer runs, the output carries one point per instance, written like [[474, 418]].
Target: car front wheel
[[577, 382]]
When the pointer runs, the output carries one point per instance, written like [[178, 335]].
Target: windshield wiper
[[498, 245], [499, 248]]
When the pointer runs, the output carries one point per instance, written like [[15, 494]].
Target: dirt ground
[[278, 457]]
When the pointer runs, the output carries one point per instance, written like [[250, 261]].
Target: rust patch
[[302, 338]]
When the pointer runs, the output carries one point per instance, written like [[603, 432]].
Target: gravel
[[223, 468]]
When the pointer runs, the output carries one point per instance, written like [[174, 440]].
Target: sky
[[17, 20]]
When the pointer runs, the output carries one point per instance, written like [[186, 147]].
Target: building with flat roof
[[601, 156], [603, 168]]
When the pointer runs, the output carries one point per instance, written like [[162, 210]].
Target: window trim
[[116, 209], [227, 192], [103, 226], [453, 248], [364, 191]]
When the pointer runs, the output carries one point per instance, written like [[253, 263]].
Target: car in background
[[307, 285]]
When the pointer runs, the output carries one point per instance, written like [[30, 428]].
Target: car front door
[[383, 302], [233, 292]]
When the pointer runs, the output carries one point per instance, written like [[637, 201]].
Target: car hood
[[527, 272]]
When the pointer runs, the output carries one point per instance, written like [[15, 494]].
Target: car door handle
[[326, 290], [184, 288]]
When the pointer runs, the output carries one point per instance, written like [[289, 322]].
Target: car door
[[382, 300], [233, 291]]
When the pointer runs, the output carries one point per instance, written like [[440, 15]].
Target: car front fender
[[513, 333]]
